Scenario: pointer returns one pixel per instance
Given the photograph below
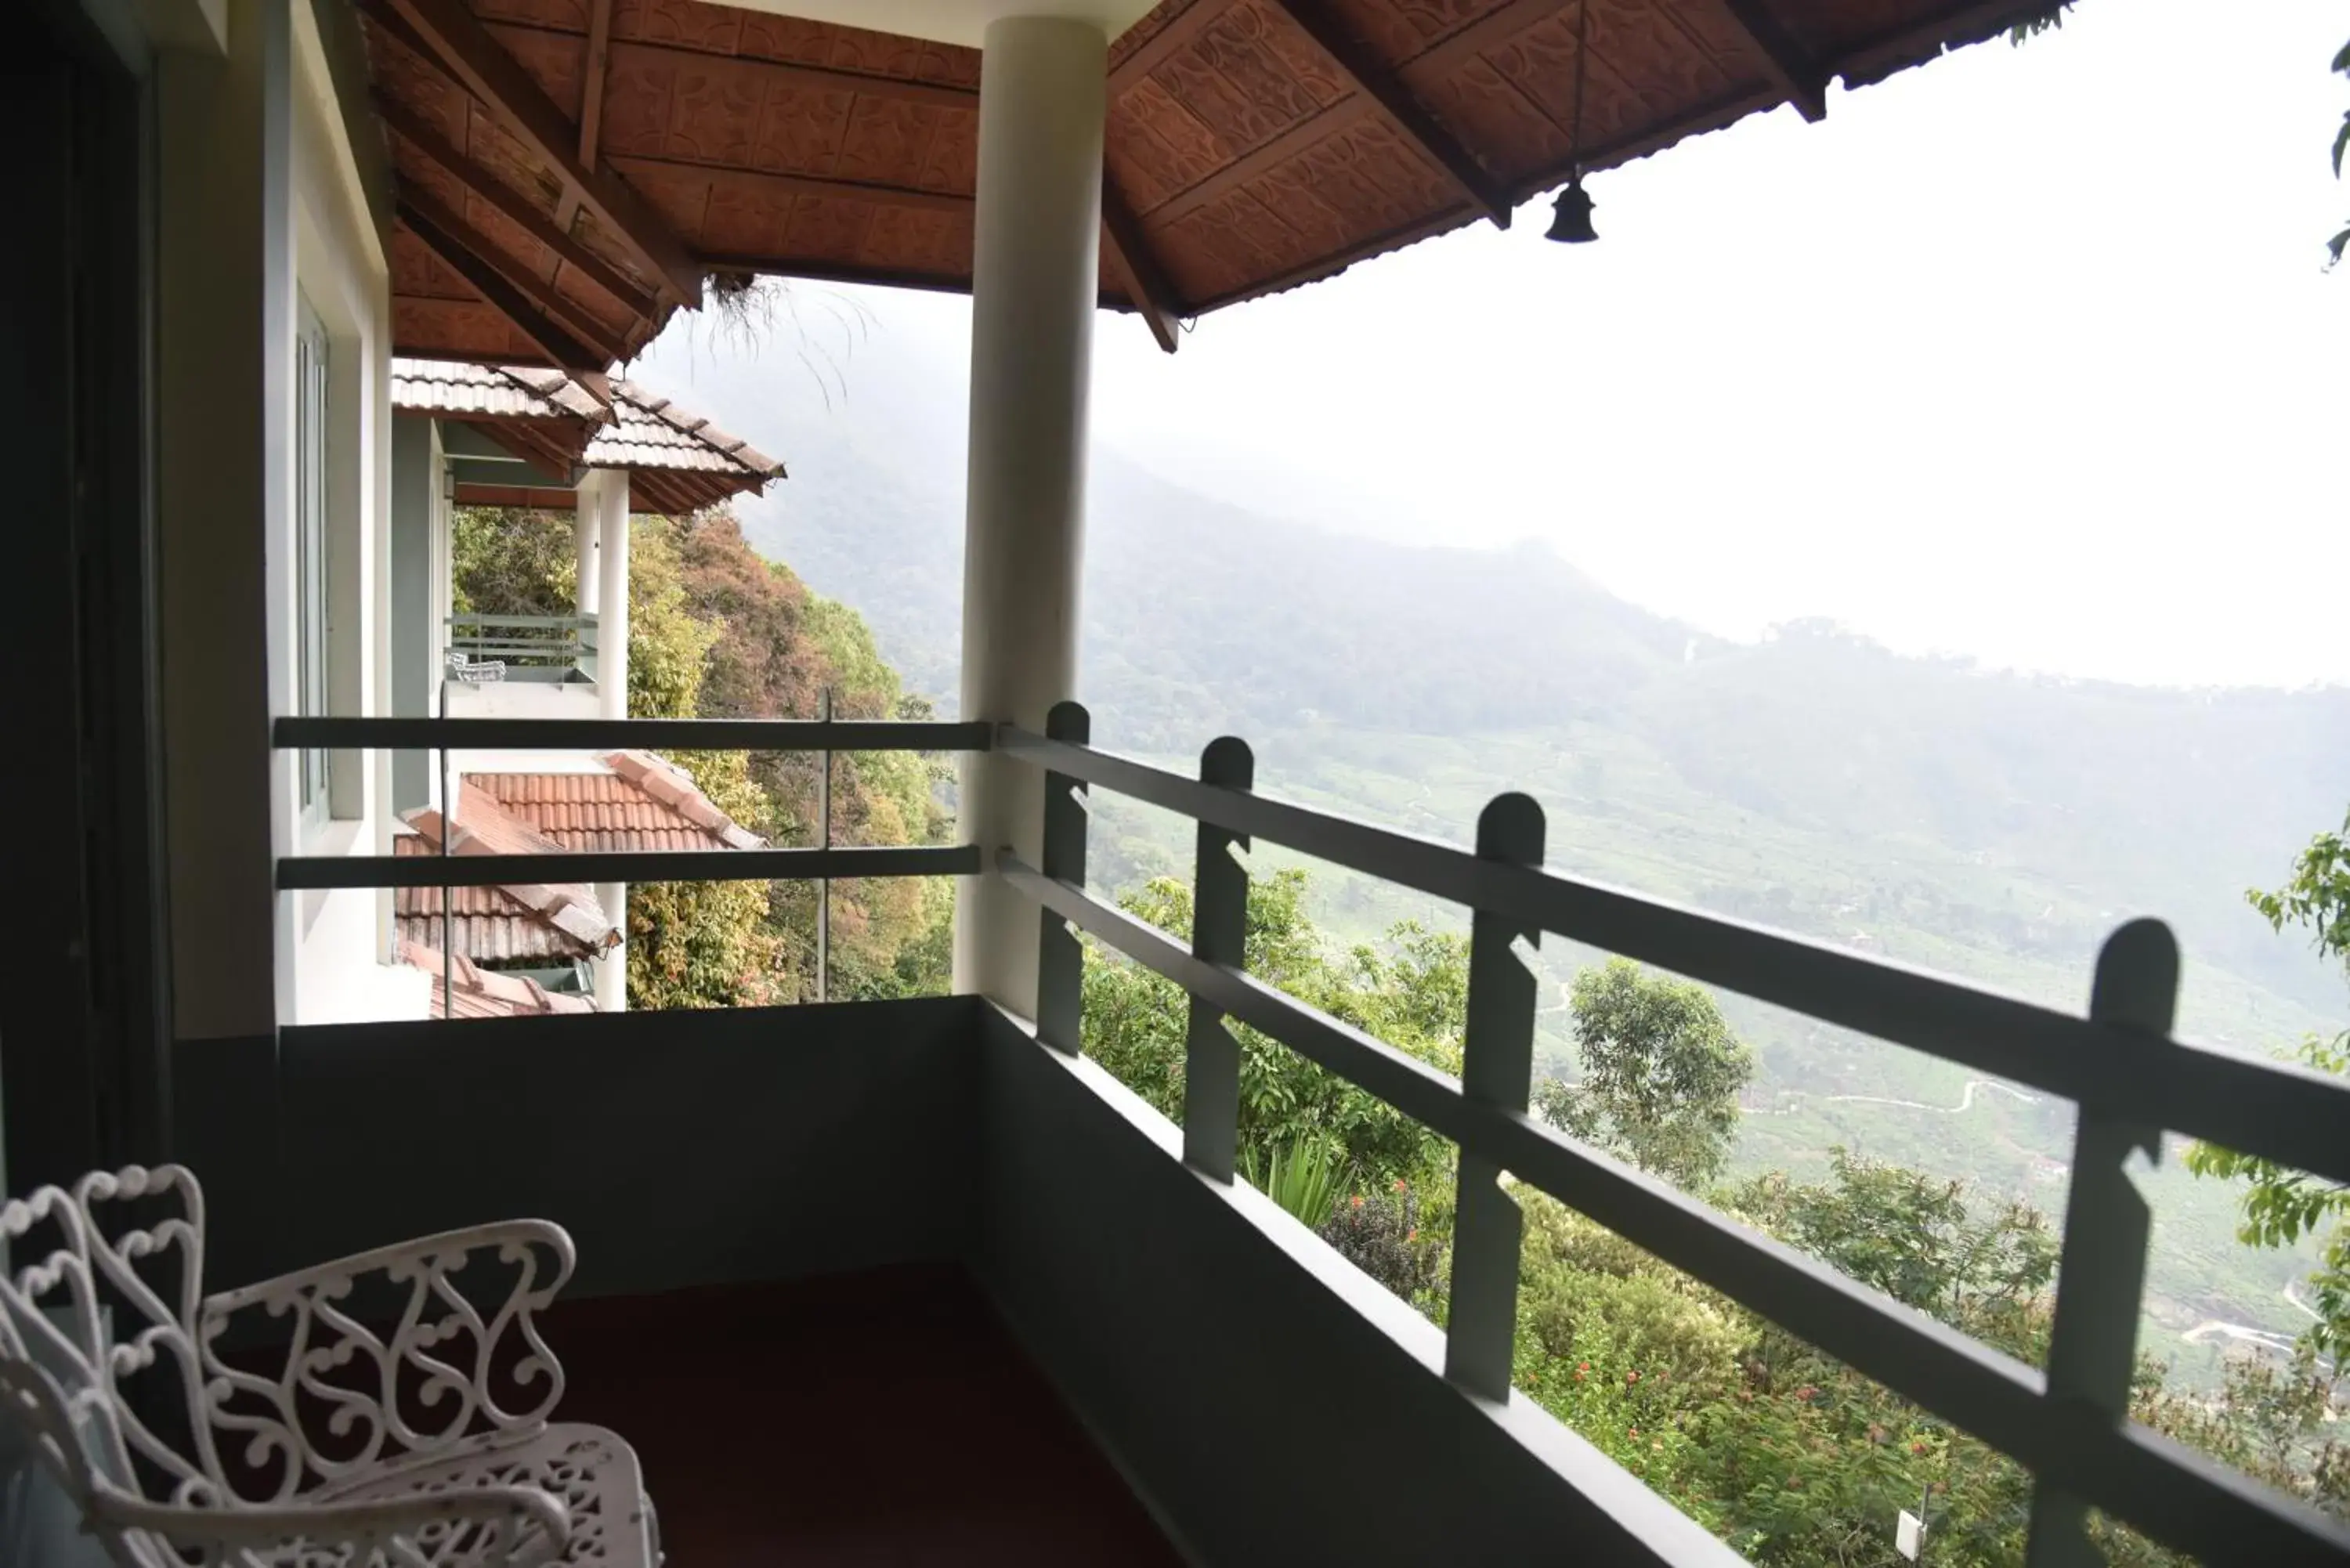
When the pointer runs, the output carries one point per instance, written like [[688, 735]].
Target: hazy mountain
[[1200, 619], [1986, 824]]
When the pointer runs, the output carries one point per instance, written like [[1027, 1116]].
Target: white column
[[588, 521], [612, 593], [1034, 280], [612, 689], [612, 969]]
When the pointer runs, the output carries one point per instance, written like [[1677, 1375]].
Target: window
[[311, 628]]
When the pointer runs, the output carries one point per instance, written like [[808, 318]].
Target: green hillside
[[1988, 824]]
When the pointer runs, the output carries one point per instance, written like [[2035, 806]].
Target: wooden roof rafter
[[421, 133], [468, 254], [1252, 145], [1793, 72], [595, 73], [467, 50], [552, 446], [1146, 287], [1375, 82], [776, 182], [557, 307], [1179, 33]]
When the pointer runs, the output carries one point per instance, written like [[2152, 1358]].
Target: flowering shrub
[[1380, 1235]]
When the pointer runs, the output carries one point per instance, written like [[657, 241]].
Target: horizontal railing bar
[[483, 735], [2278, 1109], [551, 637], [560, 620], [308, 871], [2193, 1505], [554, 650]]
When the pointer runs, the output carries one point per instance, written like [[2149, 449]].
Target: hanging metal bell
[[1570, 221]]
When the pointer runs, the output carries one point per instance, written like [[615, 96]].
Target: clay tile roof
[[510, 922], [678, 462], [484, 992], [643, 803], [513, 391], [673, 788], [650, 432]]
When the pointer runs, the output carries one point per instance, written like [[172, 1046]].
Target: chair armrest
[[350, 1397], [509, 1526]]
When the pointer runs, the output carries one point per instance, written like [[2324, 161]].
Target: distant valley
[[1991, 826]]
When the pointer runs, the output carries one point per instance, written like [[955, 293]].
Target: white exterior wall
[[341, 941]]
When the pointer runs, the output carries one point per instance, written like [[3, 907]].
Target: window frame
[[313, 535]]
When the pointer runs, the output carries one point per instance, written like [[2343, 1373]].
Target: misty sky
[[2028, 356]]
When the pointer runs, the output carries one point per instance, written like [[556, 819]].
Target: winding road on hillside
[[1966, 1098], [2245, 1333]]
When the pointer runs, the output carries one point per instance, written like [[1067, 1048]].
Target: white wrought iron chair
[[423, 1446]]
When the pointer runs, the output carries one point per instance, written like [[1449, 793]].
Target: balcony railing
[[529, 647], [2132, 1081]]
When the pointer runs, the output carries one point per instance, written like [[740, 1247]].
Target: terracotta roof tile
[[516, 391], [485, 992], [638, 430], [644, 804]]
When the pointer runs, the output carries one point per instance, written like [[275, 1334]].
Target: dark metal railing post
[[1497, 1064], [2101, 1279], [824, 841], [1211, 1057], [1060, 958]]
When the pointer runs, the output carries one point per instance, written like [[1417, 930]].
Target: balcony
[[724, 1170], [914, 1279], [514, 666]]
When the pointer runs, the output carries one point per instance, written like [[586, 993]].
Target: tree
[[715, 631], [1661, 1072], [2341, 241], [2282, 1205], [1411, 995], [690, 944], [782, 648], [505, 561]]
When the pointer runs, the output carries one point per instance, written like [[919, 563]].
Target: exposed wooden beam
[[466, 49], [555, 452], [565, 313], [1968, 21], [1374, 81], [593, 71], [464, 251], [637, 56], [1266, 156], [835, 272], [1130, 254], [425, 137], [1157, 50], [1499, 25], [771, 184], [521, 497], [1784, 60]]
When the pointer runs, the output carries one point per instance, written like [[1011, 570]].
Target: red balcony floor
[[878, 1418]]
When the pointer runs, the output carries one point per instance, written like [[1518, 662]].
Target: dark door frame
[[84, 1017]]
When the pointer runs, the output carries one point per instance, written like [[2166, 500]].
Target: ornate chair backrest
[[98, 1302]]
